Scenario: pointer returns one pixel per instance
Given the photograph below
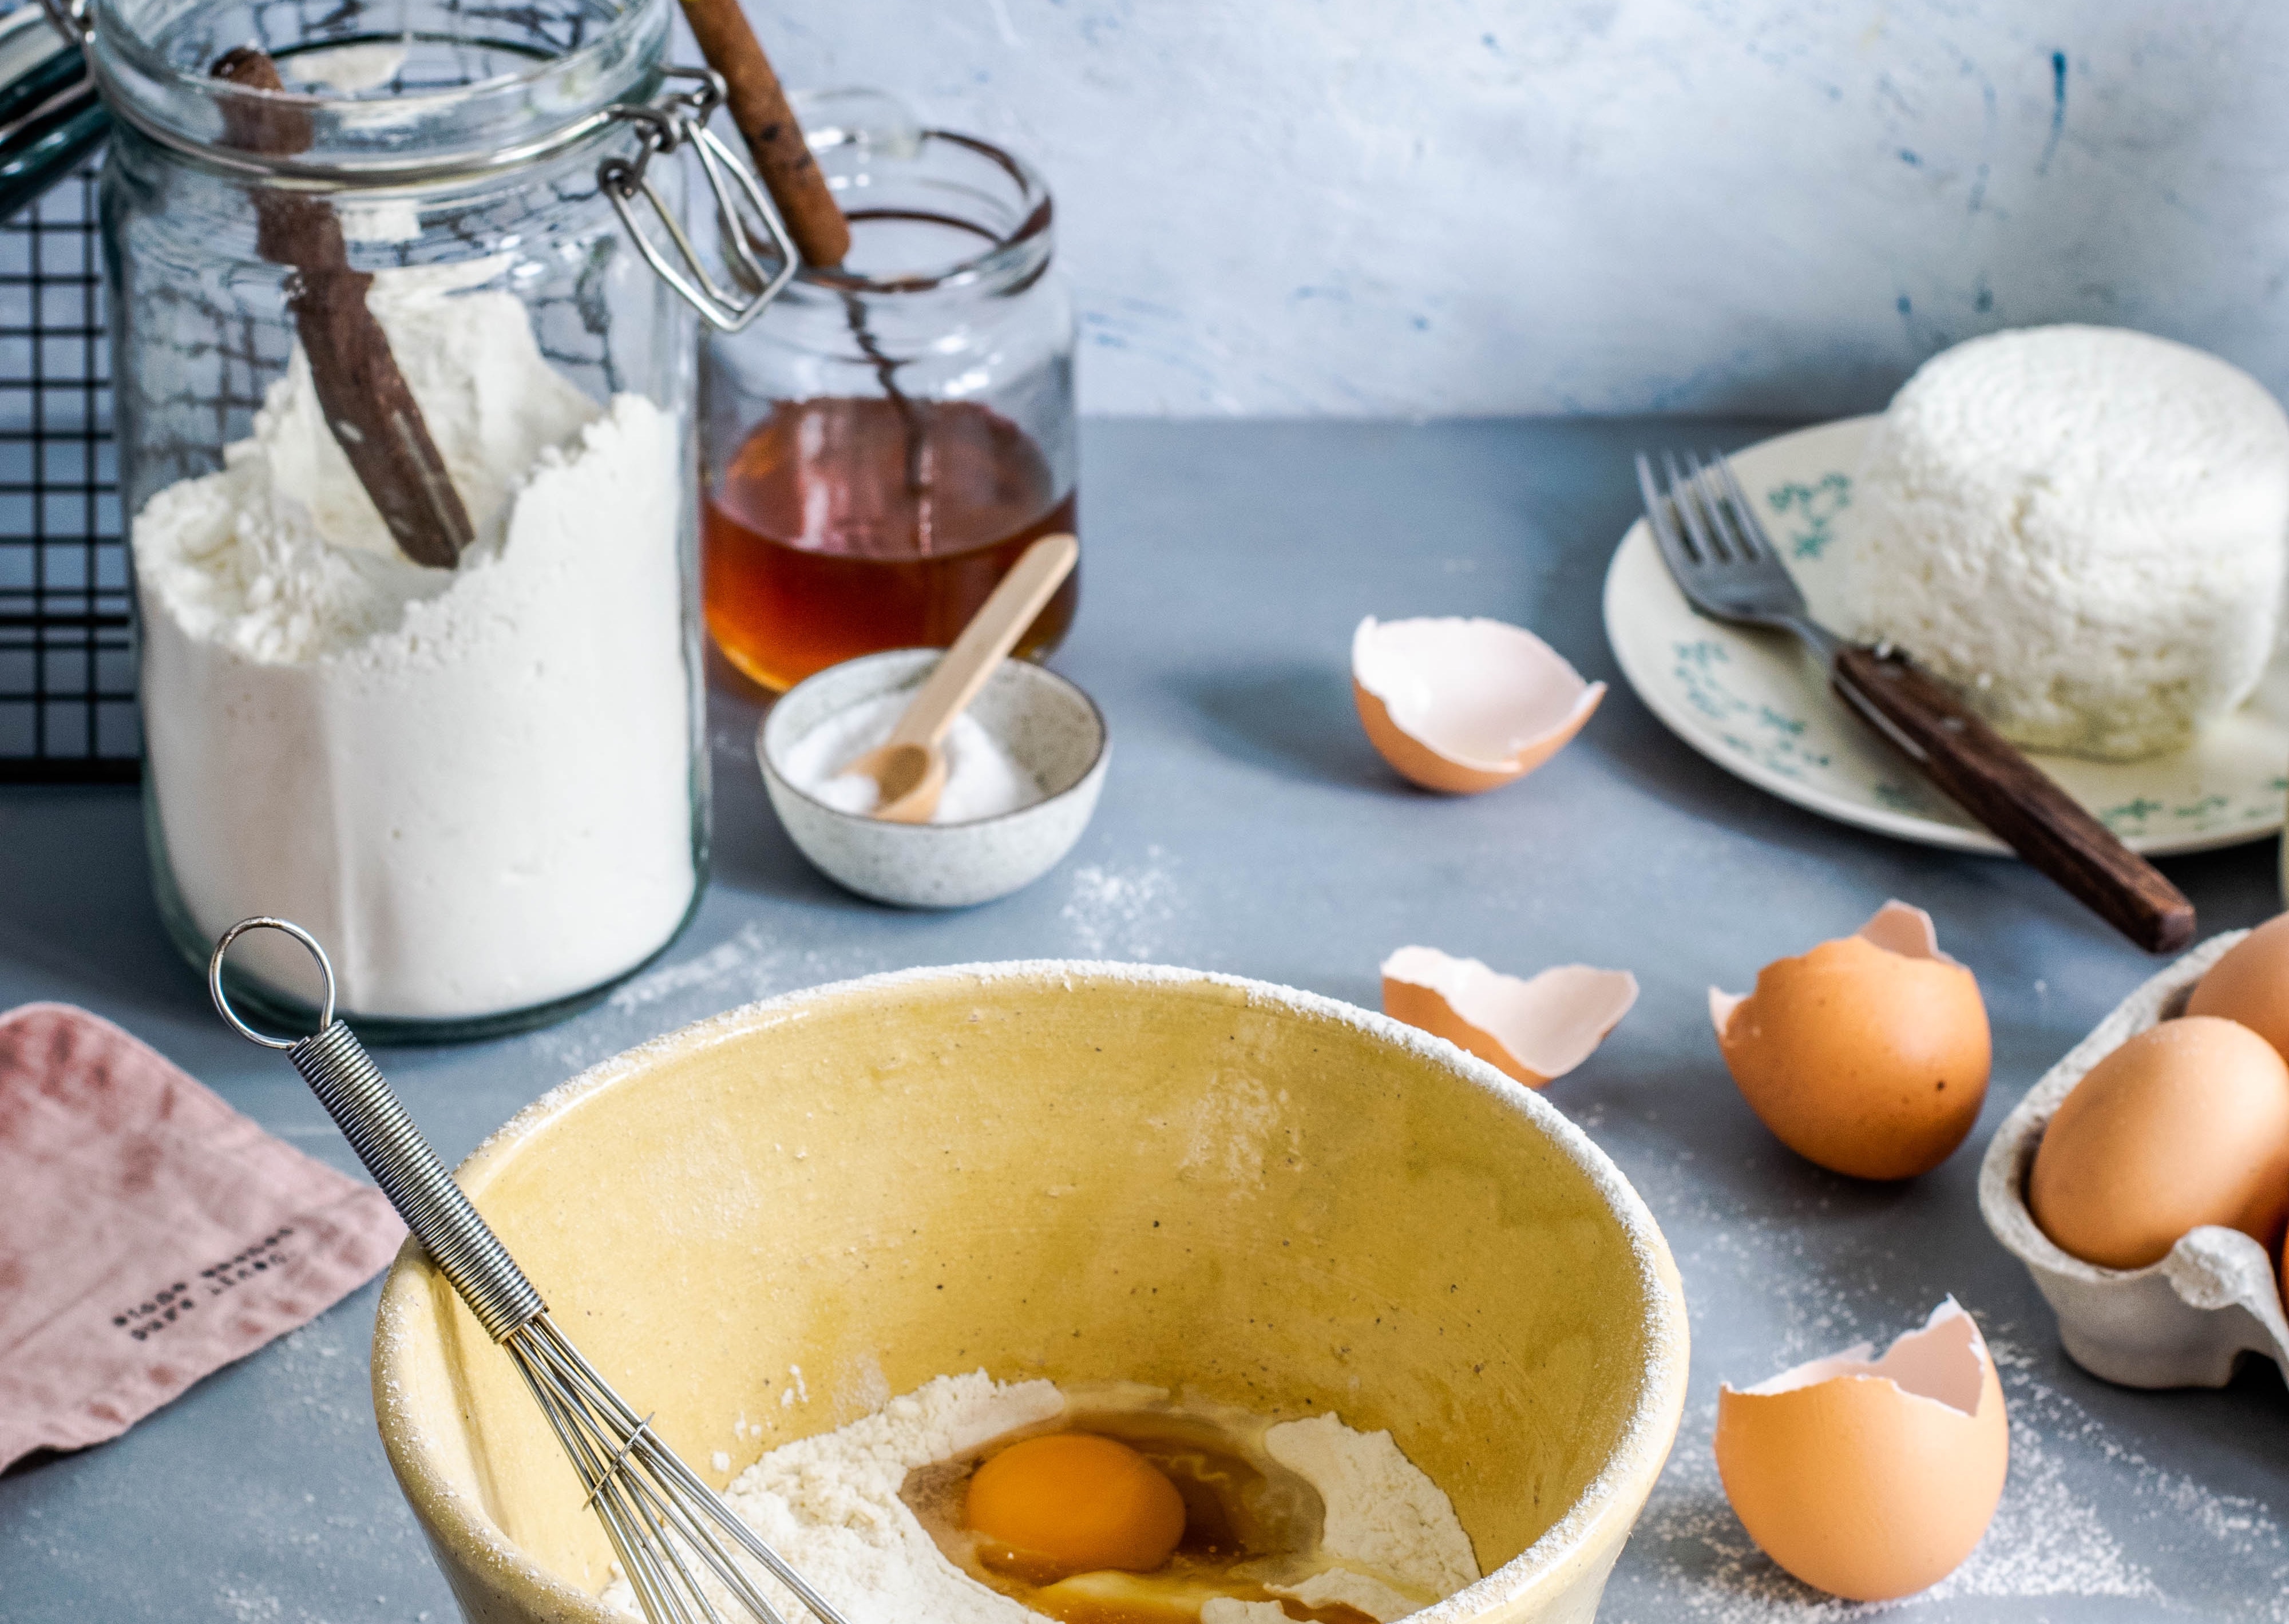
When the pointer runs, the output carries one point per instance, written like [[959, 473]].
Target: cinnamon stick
[[366, 399], [758, 106]]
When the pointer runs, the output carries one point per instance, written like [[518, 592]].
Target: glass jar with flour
[[403, 378]]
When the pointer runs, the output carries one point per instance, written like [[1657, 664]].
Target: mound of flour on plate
[[2085, 530], [830, 1505]]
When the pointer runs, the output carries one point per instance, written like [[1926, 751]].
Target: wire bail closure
[[745, 217], [70, 18], [742, 209]]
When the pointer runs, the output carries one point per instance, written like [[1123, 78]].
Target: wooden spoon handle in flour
[[1991, 779], [758, 106], [366, 399]]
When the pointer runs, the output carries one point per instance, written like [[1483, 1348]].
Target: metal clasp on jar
[[70, 18], [677, 119], [672, 120]]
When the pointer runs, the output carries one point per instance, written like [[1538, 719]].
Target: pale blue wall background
[[1395, 207]]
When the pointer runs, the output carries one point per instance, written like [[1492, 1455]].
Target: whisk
[[665, 1524]]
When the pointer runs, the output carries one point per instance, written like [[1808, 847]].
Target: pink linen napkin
[[149, 1234]]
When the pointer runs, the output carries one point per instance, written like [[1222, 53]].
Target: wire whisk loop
[[679, 1545]]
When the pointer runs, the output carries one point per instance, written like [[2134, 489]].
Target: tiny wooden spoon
[[909, 768]]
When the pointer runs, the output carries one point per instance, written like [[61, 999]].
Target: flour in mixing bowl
[[869, 1514]]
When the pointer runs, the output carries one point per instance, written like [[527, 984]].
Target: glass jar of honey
[[891, 435]]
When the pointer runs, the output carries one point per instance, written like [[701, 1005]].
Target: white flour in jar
[[473, 787]]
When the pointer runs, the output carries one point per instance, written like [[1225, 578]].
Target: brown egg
[[1868, 1055], [2186, 1124], [1872, 1479], [2250, 985]]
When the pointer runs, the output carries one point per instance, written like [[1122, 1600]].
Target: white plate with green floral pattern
[[1758, 706]]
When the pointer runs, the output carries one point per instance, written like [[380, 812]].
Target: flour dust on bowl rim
[[764, 1226]]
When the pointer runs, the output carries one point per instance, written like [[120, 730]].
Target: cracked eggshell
[[2187, 1321], [1872, 1479], [1464, 706], [1533, 1030], [1868, 1055]]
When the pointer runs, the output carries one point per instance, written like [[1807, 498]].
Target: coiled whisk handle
[[367, 1110]]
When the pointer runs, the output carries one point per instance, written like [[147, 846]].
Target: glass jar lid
[[412, 93]]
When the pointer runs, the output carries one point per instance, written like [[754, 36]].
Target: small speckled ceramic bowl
[[1049, 724]]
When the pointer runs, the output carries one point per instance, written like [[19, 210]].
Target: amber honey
[[844, 526]]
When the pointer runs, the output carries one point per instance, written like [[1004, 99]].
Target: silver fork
[[1709, 533]]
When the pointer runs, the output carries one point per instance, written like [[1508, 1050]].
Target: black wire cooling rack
[[66, 661]]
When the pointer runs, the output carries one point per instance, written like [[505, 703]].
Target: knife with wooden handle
[[1991, 779]]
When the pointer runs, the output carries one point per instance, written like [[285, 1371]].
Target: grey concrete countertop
[[1247, 827]]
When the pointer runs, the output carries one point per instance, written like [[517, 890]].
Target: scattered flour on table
[[251, 1605], [830, 1505], [1108, 912], [2049, 1542], [749, 962], [2181, 1549], [753, 963], [2045, 1541], [1116, 914]]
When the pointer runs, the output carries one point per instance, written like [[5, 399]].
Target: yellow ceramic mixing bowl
[[765, 1225]]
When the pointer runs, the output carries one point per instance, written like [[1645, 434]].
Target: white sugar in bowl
[[1046, 725]]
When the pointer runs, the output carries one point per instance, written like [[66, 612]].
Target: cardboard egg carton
[[2183, 1322]]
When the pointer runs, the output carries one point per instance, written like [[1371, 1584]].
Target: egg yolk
[[1078, 1500]]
